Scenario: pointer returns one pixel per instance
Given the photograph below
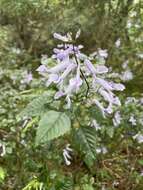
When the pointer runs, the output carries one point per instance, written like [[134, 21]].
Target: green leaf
[[38, 106], [52, 125], [2, 174], [86, 141], [65, 184]]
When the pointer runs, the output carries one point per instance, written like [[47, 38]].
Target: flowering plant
[[74, 70], [79, 85]]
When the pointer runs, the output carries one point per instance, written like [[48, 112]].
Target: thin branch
[[83, 76]]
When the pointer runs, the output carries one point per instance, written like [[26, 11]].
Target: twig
[[83, 76]]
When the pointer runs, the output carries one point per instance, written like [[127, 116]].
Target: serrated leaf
[[86, 140], [52, 125], [38, 106], [66, 184]]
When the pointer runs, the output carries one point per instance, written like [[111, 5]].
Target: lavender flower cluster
[[74, 69]]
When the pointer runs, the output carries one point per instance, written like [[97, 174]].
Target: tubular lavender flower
[[42, 69], [75, 70], [60, 67]]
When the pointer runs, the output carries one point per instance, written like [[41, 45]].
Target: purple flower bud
[[106, 95], [60, 67], [101, 69], [52, 78], [117, 86], [74, 83], [62, 54], [70, 68], [106, 85], [117, 101], [59, 94], [42, 69], [90, 67]]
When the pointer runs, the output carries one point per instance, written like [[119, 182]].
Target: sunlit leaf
[[52, 125]]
